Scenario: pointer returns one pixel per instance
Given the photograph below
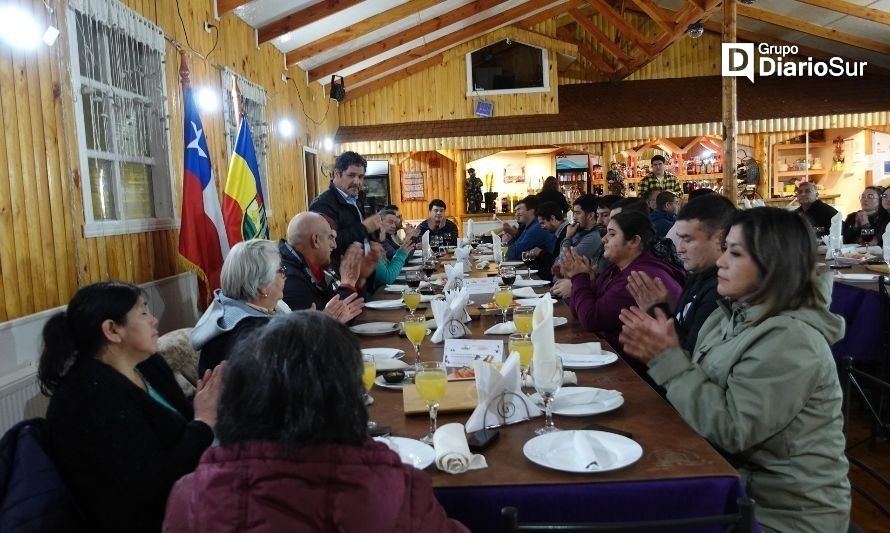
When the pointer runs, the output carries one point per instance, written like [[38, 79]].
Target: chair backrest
[[742, 521]]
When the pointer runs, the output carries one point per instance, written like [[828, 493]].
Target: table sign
[[462, 352], [481, 285]]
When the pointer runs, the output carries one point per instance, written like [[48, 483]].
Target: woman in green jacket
[[761, 384]]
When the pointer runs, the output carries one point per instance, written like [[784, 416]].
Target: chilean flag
[[202, 235]]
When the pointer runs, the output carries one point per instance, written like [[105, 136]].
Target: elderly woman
[[389, 266], [295, 455], [867, 225], [119, 429], [761, 384]]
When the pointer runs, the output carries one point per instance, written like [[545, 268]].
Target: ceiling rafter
[[813, 29], [622, 25], [600, 37], [849, 8], [656, 13], [416, 32], [443, 43], [585, 51], [548, 14], [224, 6], [360, 28], [379, 83], [303, 17]]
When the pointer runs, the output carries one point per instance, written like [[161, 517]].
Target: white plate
[[394, 386], [375, 328], [396, 288], [385, 304], [557, 451], [412, 267], [579, 361], [858, 277], [381, 354], [530, 282], [384, 365], [560, 321], [567, 401], [412, 452], [512, 263], [529, 302]]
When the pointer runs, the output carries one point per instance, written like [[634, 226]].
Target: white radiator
[[171, 299]]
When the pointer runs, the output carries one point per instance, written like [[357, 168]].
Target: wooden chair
[[741, 521]]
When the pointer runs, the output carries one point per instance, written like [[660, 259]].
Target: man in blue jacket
[[534, 236]]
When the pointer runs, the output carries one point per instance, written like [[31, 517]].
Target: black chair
[[741, 521]]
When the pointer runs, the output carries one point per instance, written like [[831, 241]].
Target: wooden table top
[[671, 449]]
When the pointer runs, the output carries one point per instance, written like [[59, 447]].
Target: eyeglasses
[[870, 197], [885, 196], [282, 270]]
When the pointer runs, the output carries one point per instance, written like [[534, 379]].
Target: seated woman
[[866, 226], [630, 245], [388, 269], [296, 456], [119, 429], [761, 384]]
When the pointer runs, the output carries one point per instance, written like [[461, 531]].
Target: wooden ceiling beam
[[600, 37], [415, 32], [621, 24], [585, 51], [656, 13], [303, 17], [849, 8], [548, 14], [470, 32], [394, 77], [360, 28], [812, 29], [224, 6]]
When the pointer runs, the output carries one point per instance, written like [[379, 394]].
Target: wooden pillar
[[730, 109], [460, 177]]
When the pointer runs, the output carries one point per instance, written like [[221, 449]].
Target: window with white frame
[[507, 67], [253, 107], [117, 72]]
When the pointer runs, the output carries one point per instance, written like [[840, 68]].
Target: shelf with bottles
[[797, 162], [700, 177]]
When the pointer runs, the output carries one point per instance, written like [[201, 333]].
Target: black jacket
[[300, 288], [349, 223], [118, 450], [819, 214], [556, 197], [697, 301], [877, 221]]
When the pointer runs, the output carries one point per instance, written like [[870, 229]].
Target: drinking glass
[[415, 330], [528, 257], [503, 297], [429, 268], [411, 298], [522, 345], [548, 381], [412, 278], [866, 235], [508, 275], [368, 374], [504, 252], [430, 380], [522, 317]]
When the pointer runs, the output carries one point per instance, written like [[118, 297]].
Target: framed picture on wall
[[412, 185]]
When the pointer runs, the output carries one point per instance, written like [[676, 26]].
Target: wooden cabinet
[[794, 163]]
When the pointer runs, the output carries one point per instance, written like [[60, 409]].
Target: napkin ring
[[506, 405]]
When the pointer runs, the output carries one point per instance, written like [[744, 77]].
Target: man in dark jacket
[[701, 227], [664, 215], [438, 225], [341, 204], [815, 210], [306, 255]]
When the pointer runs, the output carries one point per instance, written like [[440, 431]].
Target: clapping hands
[[648, 292], [643, 336]]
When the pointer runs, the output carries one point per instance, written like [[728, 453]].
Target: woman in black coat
[[550, 193], [120, 430]]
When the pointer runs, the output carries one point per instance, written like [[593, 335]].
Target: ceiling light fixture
[[19, 28], [696, 30]]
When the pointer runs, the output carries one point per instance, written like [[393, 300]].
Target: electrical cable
[[303, 105]]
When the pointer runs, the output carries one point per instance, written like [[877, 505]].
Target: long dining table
[[678, 476], [859, 301]]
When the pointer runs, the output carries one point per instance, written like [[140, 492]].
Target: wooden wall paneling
[[8, 272]]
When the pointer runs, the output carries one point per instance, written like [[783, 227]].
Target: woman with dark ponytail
[[119, 428]]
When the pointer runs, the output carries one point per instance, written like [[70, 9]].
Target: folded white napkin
[[470, 233], [545, 366], [568, 378], [491, 383], [502, 328], [481, 265], [450, 315], [527, 292], [455, 276], [426, 251], [462, 257], [585, 457], [584, 348], [496, 248], [526, 283], [452, 451], [886, 250], [385, 304], [574, 397], [383, 353], [835, 234]]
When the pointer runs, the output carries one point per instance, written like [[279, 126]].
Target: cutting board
[[880, 269], [460, 396]]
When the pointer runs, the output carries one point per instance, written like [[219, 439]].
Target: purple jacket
[[596, 305]]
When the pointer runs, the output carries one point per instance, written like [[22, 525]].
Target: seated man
[[701, 227], [306, 254], [438, 225], [665, 214], [813, 209], [533, 236], [652, 199], [552, 219], [583, 236]]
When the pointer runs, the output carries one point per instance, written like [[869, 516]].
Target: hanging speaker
[[338, 88]]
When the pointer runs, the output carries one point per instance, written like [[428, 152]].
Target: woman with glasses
[[252, 282], [866, 226]]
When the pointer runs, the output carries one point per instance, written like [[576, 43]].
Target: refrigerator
[[376, 191]]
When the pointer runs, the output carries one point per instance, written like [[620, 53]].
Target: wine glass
[[522, 317], [429, 268], [368, 374], [522, 345], [412, 278], [411, 297], [508, 275], [430, 380], [503, 297], [415, 330], [504, 248], [548, 380], [528, 257]]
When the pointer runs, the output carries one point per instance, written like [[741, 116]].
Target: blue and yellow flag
[[244, 210]]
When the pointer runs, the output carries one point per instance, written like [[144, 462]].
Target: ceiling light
[[696, 30], [207, 99], [18, 28]]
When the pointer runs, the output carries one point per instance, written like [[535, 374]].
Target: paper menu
[[462, 352]]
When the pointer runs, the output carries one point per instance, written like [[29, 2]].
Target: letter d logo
[[738, 60]]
